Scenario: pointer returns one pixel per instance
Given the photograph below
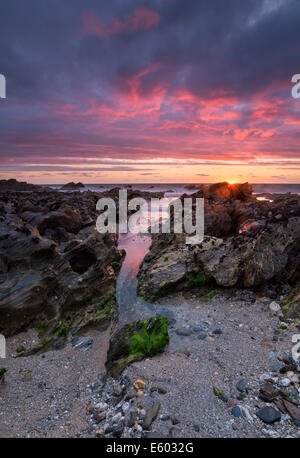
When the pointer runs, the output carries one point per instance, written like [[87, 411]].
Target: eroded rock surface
[[53, 262], [247, 243]]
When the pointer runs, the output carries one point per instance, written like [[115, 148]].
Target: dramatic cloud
[[142, 19], [204, 80]]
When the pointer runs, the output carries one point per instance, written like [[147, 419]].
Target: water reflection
[[130, 306]]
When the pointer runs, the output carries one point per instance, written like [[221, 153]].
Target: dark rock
[[14, 185], [151, 414], [202, 336], [58, 343], [236, 412], [242, 385], [268, 415], [292, 410], [218, 331], [118, 432], [268, 393], [72, 186], [243, 246], [183, 332], [159, 389], [41, 260], [131, 418]]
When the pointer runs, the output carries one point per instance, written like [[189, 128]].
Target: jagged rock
[[72, 186], [44, 278], [247, 255], [14, 185]]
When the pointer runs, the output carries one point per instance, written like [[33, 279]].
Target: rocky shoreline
[[223, 364]]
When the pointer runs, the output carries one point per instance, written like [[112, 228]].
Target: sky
[[150, 91]]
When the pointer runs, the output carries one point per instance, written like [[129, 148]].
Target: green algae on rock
[[2, 373], [136, 341], [97, 315], [291, 305]]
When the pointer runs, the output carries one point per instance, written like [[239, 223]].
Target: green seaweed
[[2, 372], [220, 394], [62, 331], [149, 343], [208, 297], [116, 266], [21, 349], [196, 279]]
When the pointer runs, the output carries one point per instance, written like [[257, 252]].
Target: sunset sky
[[150, 91]]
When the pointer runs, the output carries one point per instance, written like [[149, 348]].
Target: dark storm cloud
[[136, 78], [234, 46]]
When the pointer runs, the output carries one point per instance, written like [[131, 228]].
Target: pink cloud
[[142, 19]]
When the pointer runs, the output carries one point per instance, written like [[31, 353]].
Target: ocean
[[177, 189]]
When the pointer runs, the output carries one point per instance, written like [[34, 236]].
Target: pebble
[[285, 382], [274, 307], [268, 393], [117, 417], [151, 415], [241, 412], [139, 384], [125, 407], [183, 332], [268, 414], [202, 336], [242, 385], [272, 355], [101, 406]]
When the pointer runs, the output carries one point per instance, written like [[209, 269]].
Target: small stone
[[274, 307], [242, 385], [202, 336], [283, 326], [268, 414], [272, 355], [164, 417], [159, 389], [268, 393], [116, 418], [218, 332], [139, 384], [125, 407], [101, 406], [241, 412], [151, 415], [285, 382], [236, 412], [118, 432], [183, 332], [131, 418], [140, 393], [275, 367]]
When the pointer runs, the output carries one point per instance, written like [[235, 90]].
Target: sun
[[231, 182]]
